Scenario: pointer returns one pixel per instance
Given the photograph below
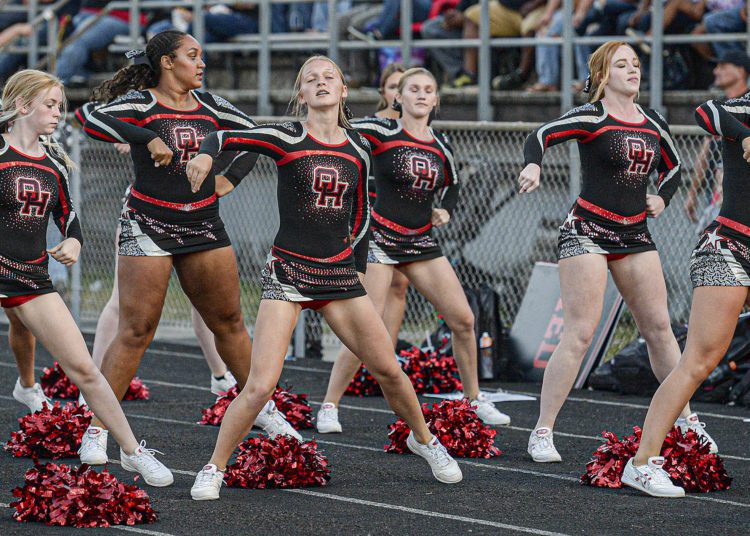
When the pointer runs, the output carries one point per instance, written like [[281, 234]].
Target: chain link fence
[[496, 235]]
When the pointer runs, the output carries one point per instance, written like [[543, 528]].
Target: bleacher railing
[[495, 236]]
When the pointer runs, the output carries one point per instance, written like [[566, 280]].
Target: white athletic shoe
[[692, 422], [328, 419], [651, 478], [542, 446], [32, 397], [274, 423], [488, 413], [207, 484], [81, 400], [444, 468], [223, 384], [93, 449], [144, 462]]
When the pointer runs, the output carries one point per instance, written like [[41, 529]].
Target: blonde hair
[[25, 86], [414, 71], [599, 67], [391, 68], [300, 110]]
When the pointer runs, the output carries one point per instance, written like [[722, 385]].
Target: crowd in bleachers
[[534, 69]]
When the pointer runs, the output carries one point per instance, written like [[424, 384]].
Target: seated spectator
[[71, 65], [387, 24], [448, 25], [725, 16], [508, 18]]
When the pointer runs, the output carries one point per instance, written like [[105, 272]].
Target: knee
[[137, 332], [258, 391], [658, 331], [389, 375], [580, 337], [462, 323], [225, 322], [699, 370], [83, 372]]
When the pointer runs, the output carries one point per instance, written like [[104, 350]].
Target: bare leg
[[273, 329], [640, 280], [106, 326], [395, 305], [207, 344], [50, 321], [355, 323], [713, 318], [22, 343], [583, 280], [471, 55], [377, 283], [211, 281], [436, 281], [140, 309]]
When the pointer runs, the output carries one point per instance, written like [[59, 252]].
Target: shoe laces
[[440, 454], [656, 475], [327, 414], [147, 456], [92, 442], [205, 478], [276, 418]]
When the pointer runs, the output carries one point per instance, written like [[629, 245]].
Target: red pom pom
[[457, 427], [429, 373], [137, 390], [282, 462], [686, 458], [294, 407], [56, 384], [50, 433], [79, 497]]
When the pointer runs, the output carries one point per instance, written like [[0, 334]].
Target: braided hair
[[142, 74]]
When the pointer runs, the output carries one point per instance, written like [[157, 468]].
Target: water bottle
[[720, 373], [487, 371]]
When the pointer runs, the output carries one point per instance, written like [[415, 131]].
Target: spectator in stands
[[13, 32], [448, 25], [508, 18], [730, 75], [71, 65], [386, 25], [726, 16]]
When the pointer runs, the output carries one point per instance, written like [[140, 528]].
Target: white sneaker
[[542, 446], [274, 423], [651, 478], [81, 400], [223, 384], [328, 419], [692, 422], [488, 413], [443, 466], [93, 449], [144, 462], [32, 397], [207, 484]]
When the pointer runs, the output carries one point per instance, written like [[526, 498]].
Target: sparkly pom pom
[[282, 462], [56, 384], [79, 497], [457, 427], [686, 458], [50, 433], [363, 384], [293, 406]]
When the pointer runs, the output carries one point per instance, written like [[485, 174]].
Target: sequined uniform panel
[[409, 174], [323, 210], [166, 211], [617, 161], [32, 189], [722, 256]]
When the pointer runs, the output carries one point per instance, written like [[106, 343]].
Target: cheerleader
[[320, 246], [621, 144], [412, 164], [153, 105], [720, 273], [34, 173]]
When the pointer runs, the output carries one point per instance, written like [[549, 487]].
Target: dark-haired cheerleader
[[154, 106], [720, 272], [320, 247], [621, 144]]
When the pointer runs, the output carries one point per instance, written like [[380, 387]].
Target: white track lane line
[[126, 528]]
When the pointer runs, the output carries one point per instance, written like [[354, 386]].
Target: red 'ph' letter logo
[[29, 192], [187, 141], [424, 175], [326, 184], [640, 157]]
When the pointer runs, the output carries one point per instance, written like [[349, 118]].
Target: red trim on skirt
[[15, 301], [604, 213]]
